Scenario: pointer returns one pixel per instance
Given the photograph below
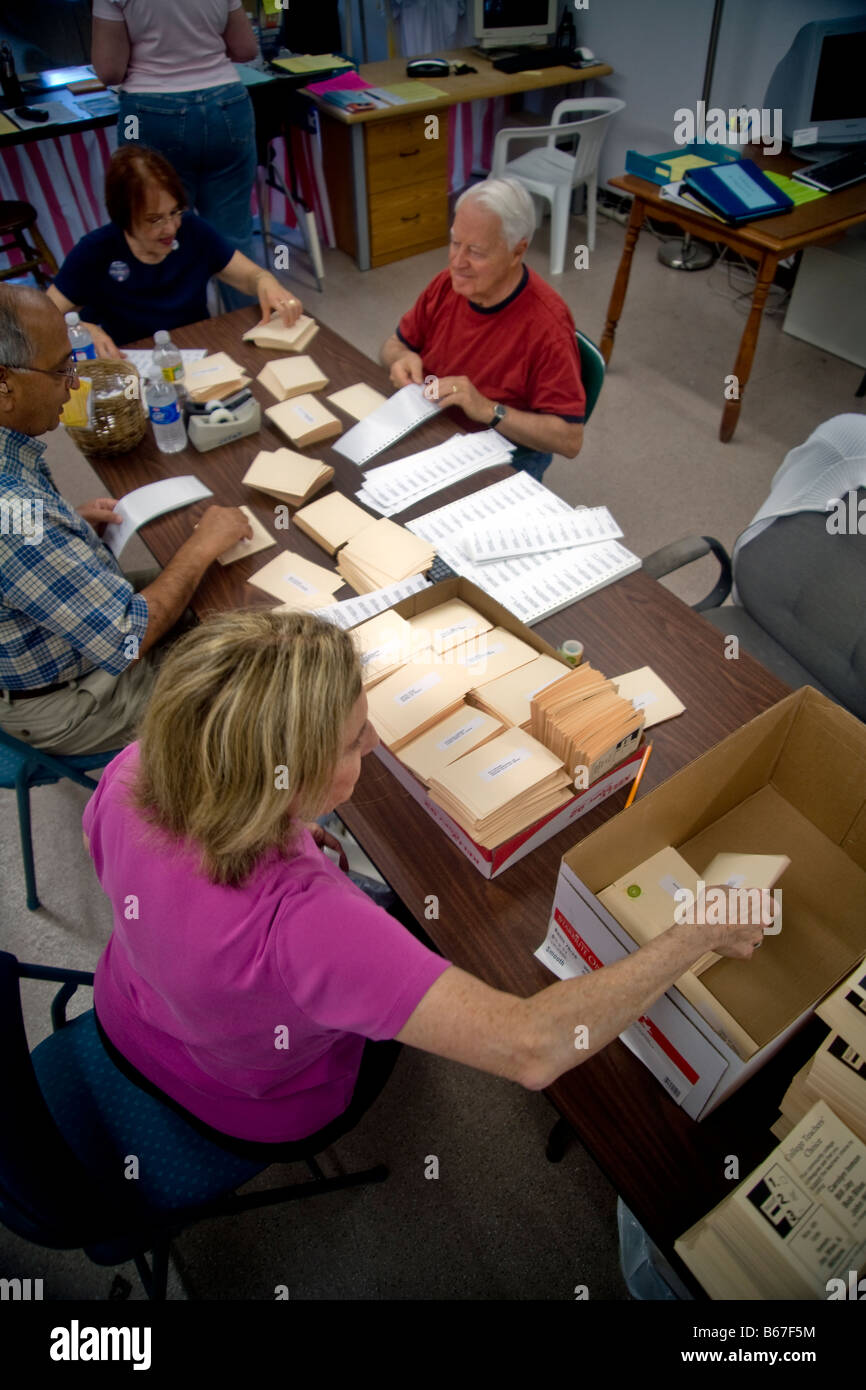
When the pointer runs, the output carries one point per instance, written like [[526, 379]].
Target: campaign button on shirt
[[119, 270]]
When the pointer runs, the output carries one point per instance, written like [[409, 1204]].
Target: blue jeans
[[530, 461], [208, 136]]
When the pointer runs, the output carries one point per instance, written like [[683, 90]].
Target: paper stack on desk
[[407, 703], [585, 722], [297, 582], [392, 487], [381, 554], [277, 336], [508, 698], [401, 413], [291, 376], [384, 643], [448, 625], [494, 654], [332, 521], [358, 401], [211, 378], [501, 787], [465, 729], [288, 476], [304, 420], [260, 540]]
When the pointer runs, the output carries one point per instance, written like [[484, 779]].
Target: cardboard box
[[791, 781], [490, 863]]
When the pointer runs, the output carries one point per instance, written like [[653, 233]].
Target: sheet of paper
[[393, 487], [585, 526], [352, 611], [529, 586], [261, 540], [288, 576], [648, 692], [402, 412], [143, 504]]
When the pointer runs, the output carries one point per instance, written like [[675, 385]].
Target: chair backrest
[[805, 587], [591, 370], [590, 128]]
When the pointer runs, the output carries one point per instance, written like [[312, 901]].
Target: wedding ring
[[454, 390]]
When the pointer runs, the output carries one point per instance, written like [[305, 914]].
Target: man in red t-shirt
[[490, 339]]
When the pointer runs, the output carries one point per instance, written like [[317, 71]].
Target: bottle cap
[[161, 337], [72, 320]]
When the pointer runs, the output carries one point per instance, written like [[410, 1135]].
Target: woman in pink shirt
[[173, 61], [247, 980]]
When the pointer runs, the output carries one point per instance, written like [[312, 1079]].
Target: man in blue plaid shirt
[[77, 643]]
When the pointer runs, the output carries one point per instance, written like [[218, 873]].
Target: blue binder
[[738, 192]]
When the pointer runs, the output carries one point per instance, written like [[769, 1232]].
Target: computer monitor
[[514, 23], [819, 84]]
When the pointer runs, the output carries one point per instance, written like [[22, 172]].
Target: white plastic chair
[[551, 173]]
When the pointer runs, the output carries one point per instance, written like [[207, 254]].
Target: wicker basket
[[119, 423]]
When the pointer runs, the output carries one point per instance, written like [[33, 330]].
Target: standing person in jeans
[[174, 63]]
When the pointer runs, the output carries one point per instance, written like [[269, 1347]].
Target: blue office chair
[[592, 367], [23, 767], [71, 1121]]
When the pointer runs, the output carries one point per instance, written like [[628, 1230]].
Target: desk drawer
[[399, 155], [404, 219]]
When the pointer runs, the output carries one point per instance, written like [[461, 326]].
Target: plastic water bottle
[[165, 413], [167, 357], [79, 339]]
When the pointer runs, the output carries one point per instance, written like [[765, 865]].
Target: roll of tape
[[221, 417], [572, 651]]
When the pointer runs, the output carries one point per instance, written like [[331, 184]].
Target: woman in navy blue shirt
[[149, 267]]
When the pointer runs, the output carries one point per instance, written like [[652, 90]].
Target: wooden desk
[[387, 174], [767, 241], [668, 1169]]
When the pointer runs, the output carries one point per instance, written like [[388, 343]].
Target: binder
[[739, 192]]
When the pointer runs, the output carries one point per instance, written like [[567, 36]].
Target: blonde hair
[[243, 733]]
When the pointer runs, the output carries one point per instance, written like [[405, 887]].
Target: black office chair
[[71, 1121], [801, 609]]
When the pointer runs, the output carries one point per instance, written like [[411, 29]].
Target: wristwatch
[[498, 415]]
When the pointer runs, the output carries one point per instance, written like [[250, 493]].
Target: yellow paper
[[415, 91], [310, 62], [680, 164], [77, 411]]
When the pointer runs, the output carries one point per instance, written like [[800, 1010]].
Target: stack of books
[[288, 476], [291, 376], [332, 521], [837, 1072], [304, 420], [383, 553], [503, 786], [585, 722], [277, 336], [794, 1228]]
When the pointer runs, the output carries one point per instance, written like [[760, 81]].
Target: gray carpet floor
[[500, 1222]]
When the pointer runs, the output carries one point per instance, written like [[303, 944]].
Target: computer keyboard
[[834, 174], [439, 570], [531, 58]]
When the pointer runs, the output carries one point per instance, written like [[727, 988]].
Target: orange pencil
[[640, 772]]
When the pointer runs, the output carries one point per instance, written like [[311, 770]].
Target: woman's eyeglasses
[[174, 216]]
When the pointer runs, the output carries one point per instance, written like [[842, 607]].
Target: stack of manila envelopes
[[383, 553], [508, 697], [213, 378], [493, 654], [357, 401], [279, 338], [648, 692], [384, 644], [304, 420], [291, 376], [450, 739], [449, 625], [502, 787], [406, 704], [289, 476], [297, 582], [332, 520], [261, 540], [586, 723]]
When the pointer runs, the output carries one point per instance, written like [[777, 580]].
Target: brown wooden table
[[767, 241], [668, 1169]]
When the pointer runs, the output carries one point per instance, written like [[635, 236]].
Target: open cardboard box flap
[[792, 781]]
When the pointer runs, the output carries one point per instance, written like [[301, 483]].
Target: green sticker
[[633, 890]]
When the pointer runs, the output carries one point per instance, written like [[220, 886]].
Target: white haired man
[[76, 641], [500, 341]]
